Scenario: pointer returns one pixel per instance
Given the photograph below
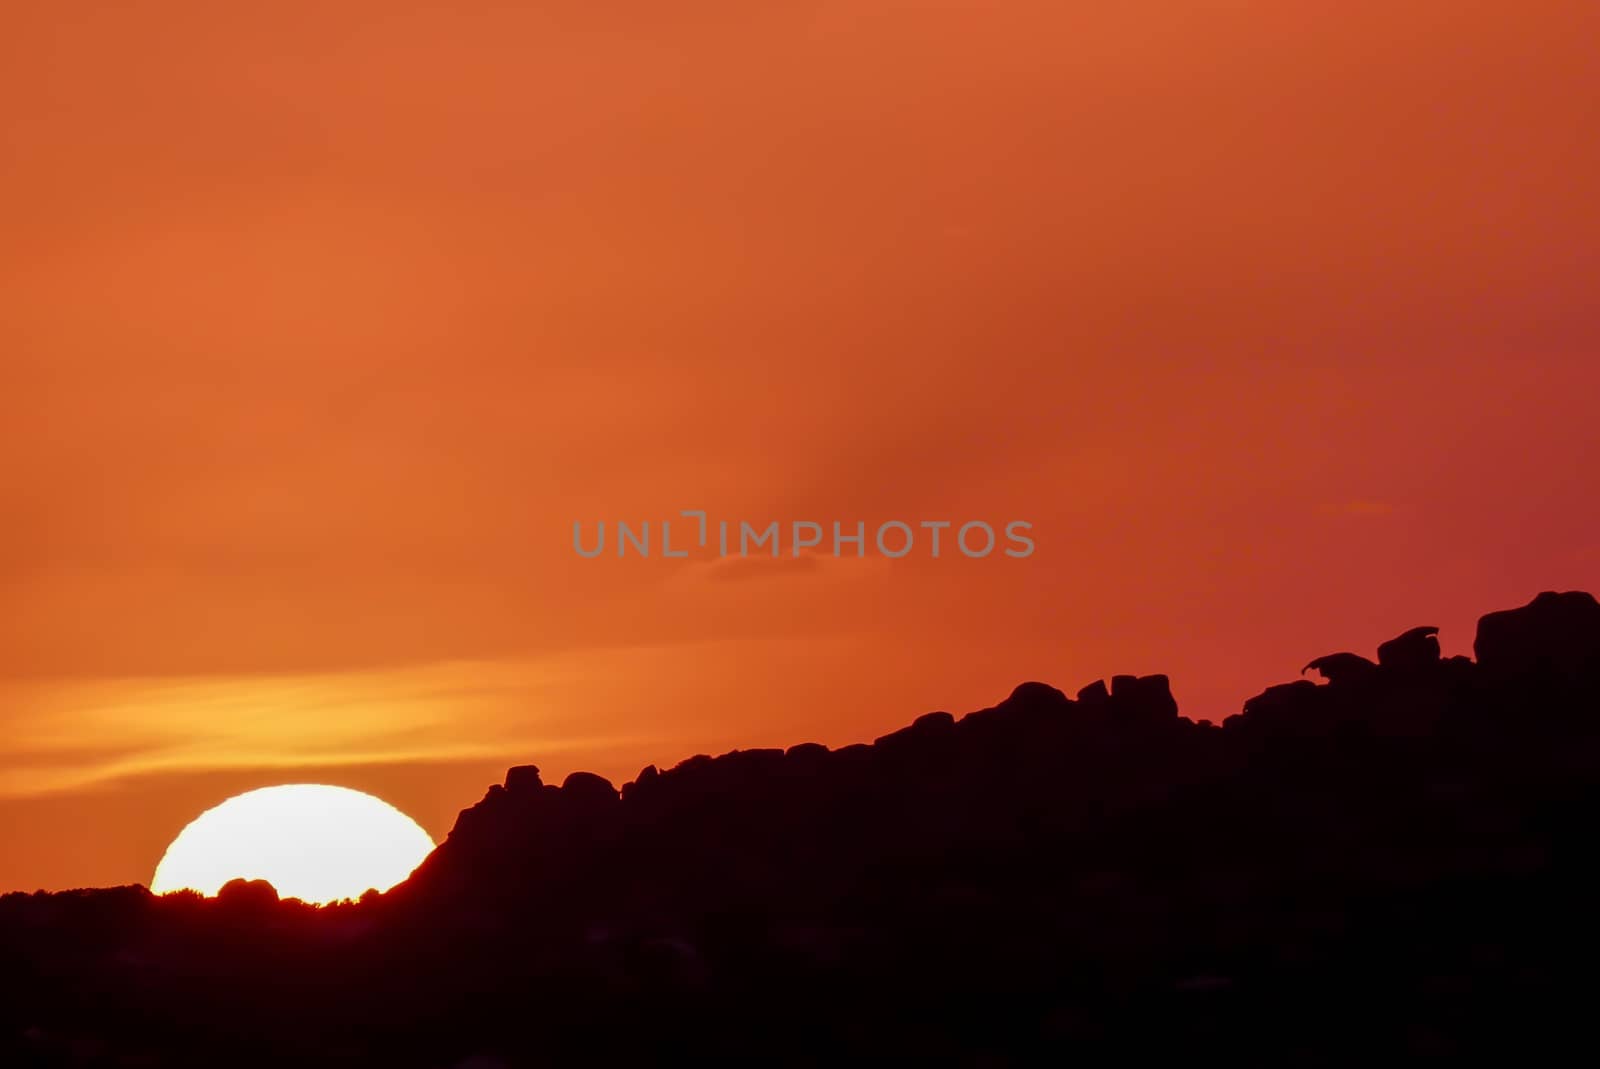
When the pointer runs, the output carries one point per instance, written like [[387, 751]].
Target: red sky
[[320, 324]]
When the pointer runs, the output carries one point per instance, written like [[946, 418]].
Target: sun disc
[[309, 840]]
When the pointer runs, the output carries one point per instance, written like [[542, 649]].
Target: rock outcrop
[[1398, 859], [1554, 634]]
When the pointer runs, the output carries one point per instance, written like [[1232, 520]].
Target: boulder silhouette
[[643, 782], [247, 894], [523, 779], [1148, 697], [1341, 668], [1038, 695], [586, 787], [1285, 698], [1094, 693], [1417, 648], [1555, 633]]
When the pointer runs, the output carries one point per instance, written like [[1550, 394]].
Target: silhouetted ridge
[[1397, 860]]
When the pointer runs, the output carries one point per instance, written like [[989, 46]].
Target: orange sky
[[321, 323]]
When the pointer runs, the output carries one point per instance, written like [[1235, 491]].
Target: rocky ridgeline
[[1394, 860], [1107, 746]]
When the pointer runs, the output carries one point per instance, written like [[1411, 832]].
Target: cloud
[[440, 712]]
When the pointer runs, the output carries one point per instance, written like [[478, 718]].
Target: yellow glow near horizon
[[309, 840]]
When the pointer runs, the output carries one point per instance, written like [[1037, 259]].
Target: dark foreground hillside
[[1395, 863]]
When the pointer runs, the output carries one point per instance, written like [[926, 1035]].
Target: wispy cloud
[[446, 711]]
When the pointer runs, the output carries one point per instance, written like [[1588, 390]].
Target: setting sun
[[310, 841]]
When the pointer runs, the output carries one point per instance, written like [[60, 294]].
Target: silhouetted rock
[[588, 789], [1285, 698], [1037, 695], [1417, 648], [523, 778], [1148, 697], [925, 729], [644, 781], [1095, 693], [1397, 861], [856, 751], [247, 894], [1340, 668], [1554, 633]]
